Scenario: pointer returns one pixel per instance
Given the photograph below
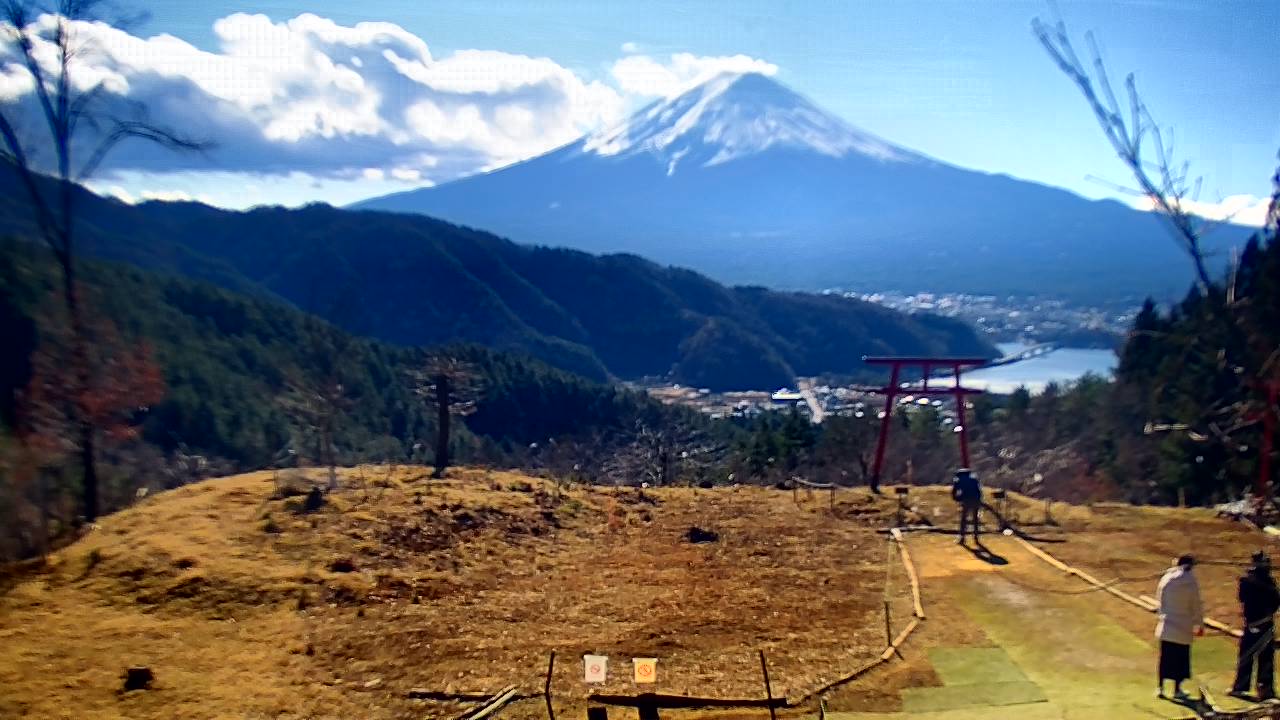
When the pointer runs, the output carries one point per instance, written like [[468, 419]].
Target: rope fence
[[1144, 602], [893, 646]]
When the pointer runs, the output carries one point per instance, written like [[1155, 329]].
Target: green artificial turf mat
[[973, 666], [950, 697]]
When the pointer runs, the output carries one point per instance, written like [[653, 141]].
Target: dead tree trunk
[[62, 103], [444, 400]]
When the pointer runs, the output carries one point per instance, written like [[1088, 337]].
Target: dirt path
[[1052, 650]]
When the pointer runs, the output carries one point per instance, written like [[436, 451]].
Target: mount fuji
[[751, 183]]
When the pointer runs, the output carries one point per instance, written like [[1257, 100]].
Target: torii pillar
[[892, 390]]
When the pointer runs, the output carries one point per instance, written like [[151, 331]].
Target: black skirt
[[1175, 661]]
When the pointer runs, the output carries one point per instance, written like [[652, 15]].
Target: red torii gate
[[892, 390]]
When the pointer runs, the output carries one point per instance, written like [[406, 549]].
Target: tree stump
[[138, 678]]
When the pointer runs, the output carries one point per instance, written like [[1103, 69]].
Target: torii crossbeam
[[892, 390]]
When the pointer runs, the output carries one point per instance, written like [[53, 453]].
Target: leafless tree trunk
[[317, 405], [663, 455], [452, 387], [65, 109], [444, 399]]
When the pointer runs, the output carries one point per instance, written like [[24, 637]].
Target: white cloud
[[647, 76], [174, 196], [309, 95], [120, 194], [241, 190], [1239, 209], [125, 196], [314, 109]]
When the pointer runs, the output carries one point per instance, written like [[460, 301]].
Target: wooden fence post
[[888, 625], [768, 689], [546, 690]]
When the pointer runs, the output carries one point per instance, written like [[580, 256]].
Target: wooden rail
[[892, 649], [659, 700], [911, 572]]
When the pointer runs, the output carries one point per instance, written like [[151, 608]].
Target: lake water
[[1059, 366]]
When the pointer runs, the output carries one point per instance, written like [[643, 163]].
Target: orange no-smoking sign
[[646, 669]]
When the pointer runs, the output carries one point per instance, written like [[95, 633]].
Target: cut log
[[491, 708]]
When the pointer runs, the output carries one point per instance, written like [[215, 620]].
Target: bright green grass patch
[[975, 666], [950, 697]]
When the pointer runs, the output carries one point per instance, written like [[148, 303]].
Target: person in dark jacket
[[966, 491], [1259, 600]]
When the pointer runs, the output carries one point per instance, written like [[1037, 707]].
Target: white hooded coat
[[1181, 610]]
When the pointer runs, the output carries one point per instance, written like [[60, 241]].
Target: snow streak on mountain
[[732, 116]]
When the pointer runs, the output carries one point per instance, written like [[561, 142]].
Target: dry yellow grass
[[242, 607], [246, 609]]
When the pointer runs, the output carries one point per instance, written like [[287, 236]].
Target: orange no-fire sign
[[646, 669]]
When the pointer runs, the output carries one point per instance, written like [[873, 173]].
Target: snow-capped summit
[[749, 182], [734, 115]]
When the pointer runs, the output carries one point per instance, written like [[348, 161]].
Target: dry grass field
[[246, 607]]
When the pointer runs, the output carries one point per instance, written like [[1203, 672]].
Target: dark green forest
[[230, 364]]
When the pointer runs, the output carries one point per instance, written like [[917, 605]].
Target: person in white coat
[[1181, 619]]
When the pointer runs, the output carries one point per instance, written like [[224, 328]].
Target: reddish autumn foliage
[[107, 386]]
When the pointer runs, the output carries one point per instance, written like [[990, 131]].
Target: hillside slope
[[415, 281], [243, 607]]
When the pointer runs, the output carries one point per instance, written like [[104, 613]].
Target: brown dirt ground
[[246, 609]]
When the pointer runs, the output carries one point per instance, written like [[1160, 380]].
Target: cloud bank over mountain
[[360, 103], [647, 76]]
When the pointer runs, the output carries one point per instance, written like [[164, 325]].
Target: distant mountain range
[[413, 280], [749, 182]]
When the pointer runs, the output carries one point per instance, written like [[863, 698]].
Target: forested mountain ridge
[[229, 361], [417, 281]]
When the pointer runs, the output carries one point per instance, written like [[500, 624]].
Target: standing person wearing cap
[[1259, 600], [966, 491], [1181, 619]]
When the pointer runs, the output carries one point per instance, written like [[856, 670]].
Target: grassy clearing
[[246, 607]]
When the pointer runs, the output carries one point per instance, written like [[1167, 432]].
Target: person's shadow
[[983, 553], [1200, 706]]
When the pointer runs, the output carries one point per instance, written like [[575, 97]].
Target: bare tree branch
[[1169, 189], [126, 129]]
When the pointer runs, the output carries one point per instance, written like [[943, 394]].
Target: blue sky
[[965, 82]]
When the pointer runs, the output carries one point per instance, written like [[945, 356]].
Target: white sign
[[596, 667]]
